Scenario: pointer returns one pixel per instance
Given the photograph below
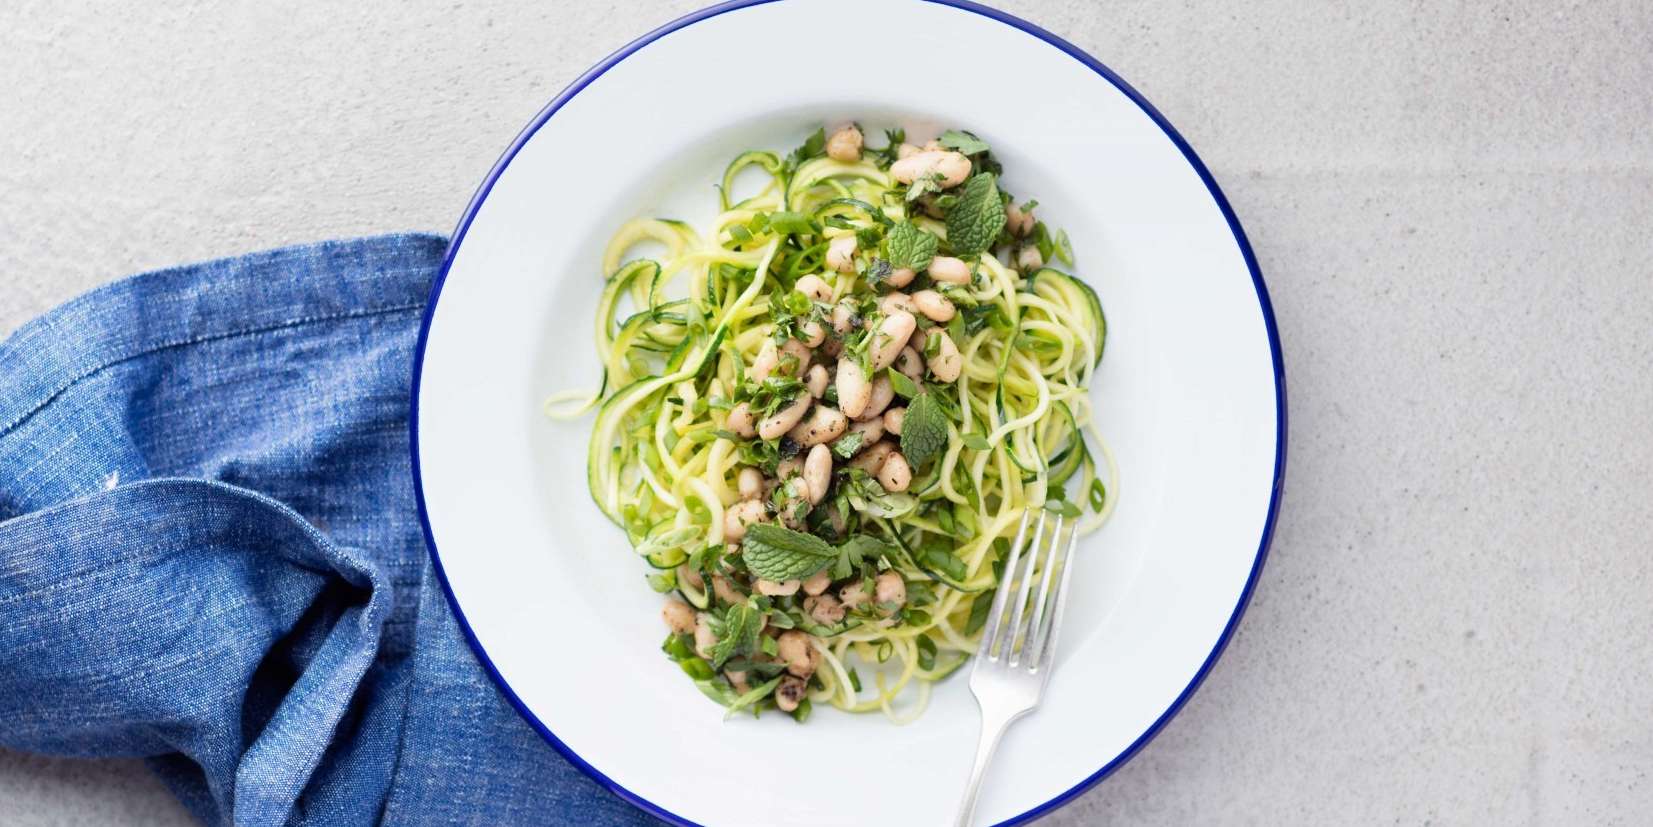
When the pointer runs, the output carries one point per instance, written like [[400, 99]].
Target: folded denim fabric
[[210, 555]]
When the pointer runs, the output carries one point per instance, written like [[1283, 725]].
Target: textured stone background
[[1452, 203]]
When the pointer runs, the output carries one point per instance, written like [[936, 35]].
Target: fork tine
[[1031, 648], [1012, 655], [1039, 633], [991, 630], [1047, 640]]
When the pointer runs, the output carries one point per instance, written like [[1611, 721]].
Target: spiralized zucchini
[[755, 373]]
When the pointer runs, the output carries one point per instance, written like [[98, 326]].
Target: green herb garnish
[[975, 221], [847, 445], [812, 146], [855, 551], [962, 141], [738, 634], [777, 553], [910, 247], [924, 430], [902, 383]]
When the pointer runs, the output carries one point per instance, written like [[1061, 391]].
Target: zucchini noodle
[[821, 421]]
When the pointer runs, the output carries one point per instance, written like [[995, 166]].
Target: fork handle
[[992, 731]]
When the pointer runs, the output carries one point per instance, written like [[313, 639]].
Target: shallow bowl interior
[[1188, 396]]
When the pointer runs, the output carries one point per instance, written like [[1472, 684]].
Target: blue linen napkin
[[210, 556]]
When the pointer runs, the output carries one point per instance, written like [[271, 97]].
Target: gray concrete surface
[[1453, 205]]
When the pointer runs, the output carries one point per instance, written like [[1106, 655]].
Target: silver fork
[[1007, 679]]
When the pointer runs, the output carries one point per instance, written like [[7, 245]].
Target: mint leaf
[[773, 552], [741, 624], [910, 247], [924, 431], [962, 141], [977, 218], [846, 445]]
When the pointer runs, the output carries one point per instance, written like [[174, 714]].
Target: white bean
[[883, 393], [871, 430], [749, 483], [871, 460], [825, 609], [704, 637], [853, 594], [896, 474], [843, 315], [840, 254], [800, 354], [788, 468], [790, 693], [814, 287], [854, 390], [947, 364], [722, 588], [891, 337], [814, 333], [901, 277], [818, 472], [950, 270], [951, 166], [823, 425], [737, 517], [1019, 223], [764, 363], [1029, 259], [778, 423], [845, 145], [678, 616], [783, 588], [738, 681], [897, 300], [817, 583], [817, 381], [890, 588], [933, 305], [906, 150], [910, 363], [740, 421], [794, 648]]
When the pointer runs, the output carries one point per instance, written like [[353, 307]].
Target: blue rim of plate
[[1076, 53]]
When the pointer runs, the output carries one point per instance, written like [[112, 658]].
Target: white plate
[[1190, 395]]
